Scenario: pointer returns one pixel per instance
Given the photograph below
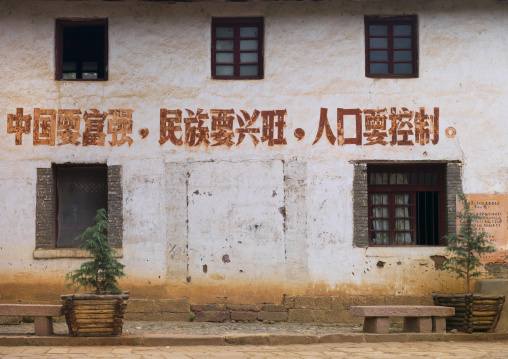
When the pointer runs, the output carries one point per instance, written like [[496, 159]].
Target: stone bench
[[42, 314], [417, 318]]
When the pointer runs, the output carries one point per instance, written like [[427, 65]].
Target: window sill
[[236, 78], [68, 253], [81, 80], [394, 251], [391, 76]]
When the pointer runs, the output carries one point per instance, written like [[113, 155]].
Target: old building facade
[[247, 151]]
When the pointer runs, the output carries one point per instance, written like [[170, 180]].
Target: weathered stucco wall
[[249, 224]]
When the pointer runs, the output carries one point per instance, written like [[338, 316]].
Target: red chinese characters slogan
[[222, 127], [400, 127], [72, 127], [226, 127]]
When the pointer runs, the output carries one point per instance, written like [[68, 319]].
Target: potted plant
[[101, 312], [473, 312]]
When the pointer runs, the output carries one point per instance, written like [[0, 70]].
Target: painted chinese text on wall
[[399, 127], [226, 127], [63, 127]]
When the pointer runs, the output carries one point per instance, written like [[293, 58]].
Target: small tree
[[102, 273], [467, 246]]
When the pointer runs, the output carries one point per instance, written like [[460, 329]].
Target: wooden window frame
[[413, 189], [236, 23], [391, 21], [60, 24]]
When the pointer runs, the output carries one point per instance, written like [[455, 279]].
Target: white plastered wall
[[159, 57]]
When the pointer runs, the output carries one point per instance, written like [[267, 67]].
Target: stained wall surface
[[248, 223]]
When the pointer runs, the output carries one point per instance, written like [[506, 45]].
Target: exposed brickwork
[[313, 302], [497, 270], [360, 207], [453, 185], [273, 308], [244, 307], [273, 316], [115, 206], [306, 315], [173, 305], [301, 309], [173, 309], [178, 305], [244, 316], [196, 308], [45, 209], [288, 301], [214, 307], [212, 316], [157, 316]]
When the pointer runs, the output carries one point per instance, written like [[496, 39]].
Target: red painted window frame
[[390, 22], [236, 23], [60, 24], [391, 190]]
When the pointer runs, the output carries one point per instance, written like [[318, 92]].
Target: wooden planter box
[[95, 315], [473, 312]]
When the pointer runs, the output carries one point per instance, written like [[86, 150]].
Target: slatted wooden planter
[[95, 315], [473, 312]]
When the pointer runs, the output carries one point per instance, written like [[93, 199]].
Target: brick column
[[115, 206], [360, 206], [45, 209], [453, 185]]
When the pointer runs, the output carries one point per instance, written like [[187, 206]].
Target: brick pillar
[[115, 206], [45, 209], [360, 207], [453, 185]]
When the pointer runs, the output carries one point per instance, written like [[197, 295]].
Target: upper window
[[391, 47], [237, 48], [406, 205], [81, 49], [81, 191]]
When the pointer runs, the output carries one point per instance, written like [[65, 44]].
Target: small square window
[[391, 47], [81, 49], [237, 48]]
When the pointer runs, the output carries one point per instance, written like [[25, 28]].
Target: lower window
[[67, 199], [81, 191], [406, 205]]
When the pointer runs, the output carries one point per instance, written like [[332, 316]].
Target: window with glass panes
[[391, 47], [81, 50], [406, 205], [237, 48]]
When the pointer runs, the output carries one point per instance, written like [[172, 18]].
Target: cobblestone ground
[[194, 328], [442, 350]]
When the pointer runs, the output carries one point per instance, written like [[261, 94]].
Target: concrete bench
[[417, 318], [42, 315]]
